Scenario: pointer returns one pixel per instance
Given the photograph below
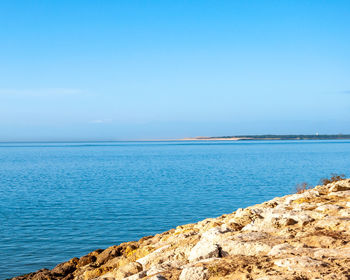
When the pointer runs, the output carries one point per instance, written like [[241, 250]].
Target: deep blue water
[[60, 200]]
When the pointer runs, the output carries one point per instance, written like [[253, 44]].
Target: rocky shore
[[300, 236]]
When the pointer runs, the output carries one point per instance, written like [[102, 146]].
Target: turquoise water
[[60, 200]]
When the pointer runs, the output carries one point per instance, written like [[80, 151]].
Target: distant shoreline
[[271, 137], [267, 137]]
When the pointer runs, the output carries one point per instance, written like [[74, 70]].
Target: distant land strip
[[272, 137]]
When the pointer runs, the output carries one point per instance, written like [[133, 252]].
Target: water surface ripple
[[60, 200]]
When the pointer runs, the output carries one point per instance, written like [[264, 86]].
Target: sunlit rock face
[[299, 236]]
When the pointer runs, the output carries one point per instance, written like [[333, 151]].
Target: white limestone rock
[[332, 253], [204, 250], [246, 248], [299, 263], [280, 249], [137, 276], [194, 273], [157, 277], [340, 186], [147, 259]]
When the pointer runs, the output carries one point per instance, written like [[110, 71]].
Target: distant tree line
[[290, 137]]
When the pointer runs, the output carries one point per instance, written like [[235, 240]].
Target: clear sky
[[80, 70]]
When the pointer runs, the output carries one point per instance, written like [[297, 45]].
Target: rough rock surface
[[300, 236]]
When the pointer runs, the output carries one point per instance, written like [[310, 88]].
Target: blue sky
[[82, 70]]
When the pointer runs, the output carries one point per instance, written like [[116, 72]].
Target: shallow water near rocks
[[60, 200]]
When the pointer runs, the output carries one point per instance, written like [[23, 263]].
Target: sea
[[63, 200]]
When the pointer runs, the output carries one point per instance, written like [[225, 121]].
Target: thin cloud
[[41, 91], [345, 91]]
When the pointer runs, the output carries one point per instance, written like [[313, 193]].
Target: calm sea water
[[60, 200]]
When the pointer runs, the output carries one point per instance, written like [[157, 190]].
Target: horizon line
[[196, 138]]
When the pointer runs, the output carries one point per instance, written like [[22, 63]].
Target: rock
[[203, 250], [328, 207], [329, 223], [127, 270], [94, 273], [340, 194], [287, 222], [43, 274], [65, 268], [245, 248], [155, 269], [136, 276], [340, 186], [107, 254], [86, 260], [319, 241], [146, 259], [273, 219], [242, 217], [281, 249], [251, 236], [194, 273], [157, 277], [299, 263], [293, 197], [275, 278], [113, 263], [344, 213], [332, 253]]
